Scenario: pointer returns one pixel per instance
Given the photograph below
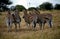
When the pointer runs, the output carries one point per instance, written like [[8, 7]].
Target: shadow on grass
[[58, 27], [57, 36], [20, 30]]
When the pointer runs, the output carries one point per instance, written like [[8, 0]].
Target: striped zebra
[[30, 18], [13, 18], [43, 18]]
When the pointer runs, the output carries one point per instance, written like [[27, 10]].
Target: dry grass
[[24, 33]]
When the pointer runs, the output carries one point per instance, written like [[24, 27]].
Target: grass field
[[25, 33]]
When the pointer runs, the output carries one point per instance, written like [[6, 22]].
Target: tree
[[20, 7], [4, 3], [31, 8], [46, 6], [57, 7], [12, 8]]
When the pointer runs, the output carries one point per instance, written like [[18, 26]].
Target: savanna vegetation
[[24, 32]]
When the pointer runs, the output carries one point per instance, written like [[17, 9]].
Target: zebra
[[43, 18], [13, 18], [17, 19], [30, 18], [8, 20]]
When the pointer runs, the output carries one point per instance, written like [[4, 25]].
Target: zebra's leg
[[15, 26], [50, 24], [28, 25], [19, 25], [9, 26], [34, 24], [43, 25], [40, 24]]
